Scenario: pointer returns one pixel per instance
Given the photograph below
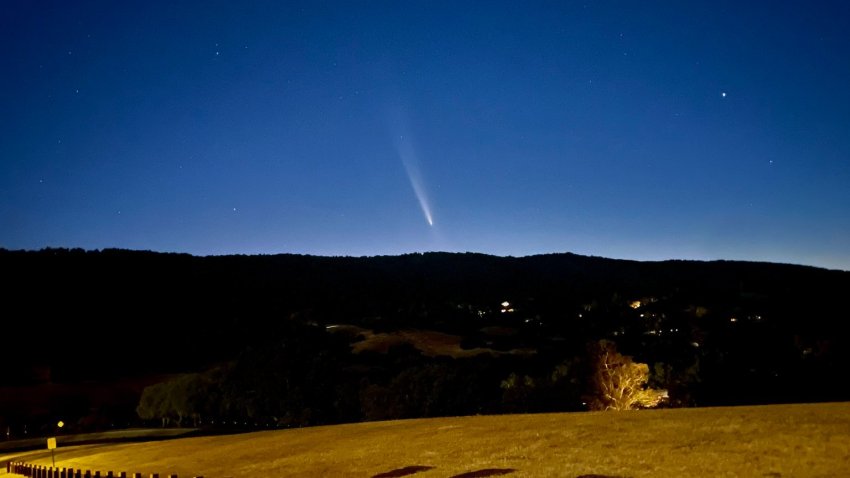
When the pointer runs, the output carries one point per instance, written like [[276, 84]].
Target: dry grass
[[429, 342], [768, 441]]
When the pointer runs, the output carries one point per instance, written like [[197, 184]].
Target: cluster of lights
[[660, 331], [506, 307]]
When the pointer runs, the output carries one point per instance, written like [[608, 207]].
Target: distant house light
[[733, 319], [506, 304], [635, 304]]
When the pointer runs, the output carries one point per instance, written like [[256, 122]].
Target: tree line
[[247, 334]]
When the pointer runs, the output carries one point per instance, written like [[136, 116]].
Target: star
[[723, 94]]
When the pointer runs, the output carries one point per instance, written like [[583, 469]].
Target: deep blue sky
[[641, 130]]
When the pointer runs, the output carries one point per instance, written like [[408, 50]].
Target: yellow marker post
[[51, 445]]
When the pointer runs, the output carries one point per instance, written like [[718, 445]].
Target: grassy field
[[808, 440], [429, 342], [129, 434]]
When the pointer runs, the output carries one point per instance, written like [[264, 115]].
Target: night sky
[[638, 130]]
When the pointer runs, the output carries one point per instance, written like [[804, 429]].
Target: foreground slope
[[771, 441]]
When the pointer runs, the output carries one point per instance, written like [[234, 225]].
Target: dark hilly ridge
[[80, 307], [289, 340], [431, 334]]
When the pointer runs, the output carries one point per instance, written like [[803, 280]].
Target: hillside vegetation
[[807, 440], [289, 341]]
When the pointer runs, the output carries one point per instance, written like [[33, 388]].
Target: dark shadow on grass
[[407, 470], [593, 475], [485, 472]]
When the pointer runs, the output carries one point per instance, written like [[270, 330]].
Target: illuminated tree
[[619, 383]]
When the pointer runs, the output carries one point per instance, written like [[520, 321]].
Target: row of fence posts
[[40, 471]]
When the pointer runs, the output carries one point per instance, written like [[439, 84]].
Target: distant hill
[[721, 332], [119, 312]]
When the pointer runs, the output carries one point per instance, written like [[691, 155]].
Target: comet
[[411, 167]]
